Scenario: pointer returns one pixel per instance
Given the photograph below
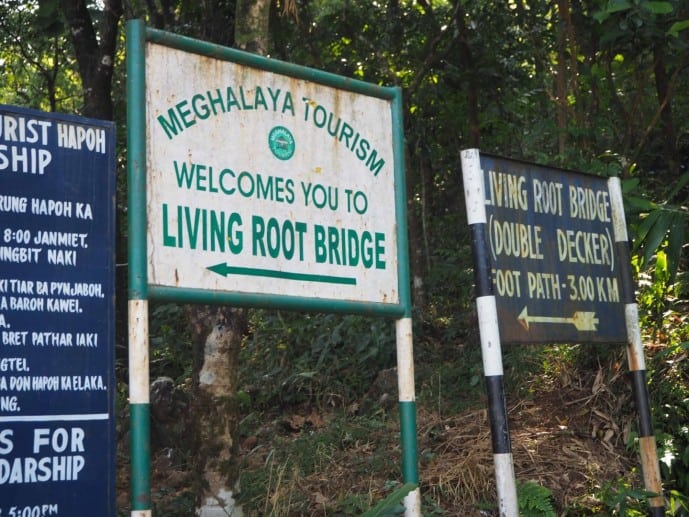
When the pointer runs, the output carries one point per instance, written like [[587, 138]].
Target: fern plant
[[535, 500]]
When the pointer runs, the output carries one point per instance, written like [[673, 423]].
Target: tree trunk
[[251, 26], [664, 93], [214, 403], [467, 60], [417, 248], [95, 52], [561, 77], [213, 406]]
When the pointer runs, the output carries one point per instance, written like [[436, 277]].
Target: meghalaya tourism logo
[[281, 143]]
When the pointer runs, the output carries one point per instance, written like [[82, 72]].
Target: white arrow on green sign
[[582, 320]]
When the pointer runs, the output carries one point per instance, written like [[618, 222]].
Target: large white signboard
[[263, 183]]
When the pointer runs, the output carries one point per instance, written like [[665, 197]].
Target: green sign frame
[[141, 288]]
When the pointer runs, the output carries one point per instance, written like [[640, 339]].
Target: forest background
[[600, 86]]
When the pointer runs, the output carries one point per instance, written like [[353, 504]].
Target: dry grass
[[567, 437]]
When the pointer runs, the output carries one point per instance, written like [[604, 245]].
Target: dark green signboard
[[552, 254]]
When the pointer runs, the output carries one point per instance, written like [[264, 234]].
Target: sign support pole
[[139, 394], [635, 355], [404, 335], [490, 336], [139, 408], [407, 403]]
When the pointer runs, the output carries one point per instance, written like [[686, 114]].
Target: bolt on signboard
[[552, 265], [57, 382], [259, 183]]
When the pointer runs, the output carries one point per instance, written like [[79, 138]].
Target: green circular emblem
[[281, 143]]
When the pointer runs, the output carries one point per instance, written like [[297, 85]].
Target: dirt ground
[[565, 437]]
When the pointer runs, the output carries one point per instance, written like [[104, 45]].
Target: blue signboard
[[57, 387], [552, 254]]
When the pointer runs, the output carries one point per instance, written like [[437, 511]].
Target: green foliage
[[535, 500], [664, 319], [643, 19], [661, 232], [621, 498], [37, 69], [513, 53], [449, 385], [170, 342], [678, 27], [450, 280], [677, 502], [654, 289], [320, 453], [319, 358], [669, 387]]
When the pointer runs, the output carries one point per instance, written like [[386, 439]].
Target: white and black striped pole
[[635, 354], [491, 351]]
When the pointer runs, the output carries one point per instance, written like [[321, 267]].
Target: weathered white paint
[[139, 392], [223, 505], [491, 350], [617, 210], [405, 360], [506, 485], [412, 503], [635, 348], [474, 189], [237, 140]]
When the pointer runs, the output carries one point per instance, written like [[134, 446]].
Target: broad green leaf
[[658, 7], [656, 234], [612, 36], [629, 185], [640, 203], [661, 265], [677, 27], [683, 180], [615, 6], [675, 242], [644, 228], [601, 16]]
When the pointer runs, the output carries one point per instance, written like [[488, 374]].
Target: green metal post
[[405, 353], [139, 405]]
